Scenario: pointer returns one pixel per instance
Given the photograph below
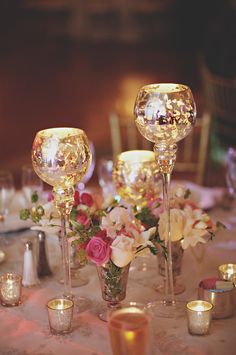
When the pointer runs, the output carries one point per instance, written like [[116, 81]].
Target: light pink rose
[[98, 250]]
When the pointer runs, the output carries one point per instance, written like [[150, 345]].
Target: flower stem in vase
[[113, 282]]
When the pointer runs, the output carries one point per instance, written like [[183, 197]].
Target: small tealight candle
[[10, 289], [228, 272], [199, 317], [60, 313]]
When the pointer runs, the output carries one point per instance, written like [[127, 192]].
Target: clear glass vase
[[177, 257], [113, 282]]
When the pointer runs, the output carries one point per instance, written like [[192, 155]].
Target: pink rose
[[50, 196], [86, 199], [83, 219], [98, 250], [76, 198]]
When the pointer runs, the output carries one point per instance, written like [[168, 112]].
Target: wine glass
[[61, 157], [136, 178], [231, 179], [6, 193], [135, 175], [164, 114], [105, 168], [31, 184], [130, 330]]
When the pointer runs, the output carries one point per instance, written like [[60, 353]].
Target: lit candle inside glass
[[10, 289], [60, 313], [199, 317], [228, 272], [129, 330]]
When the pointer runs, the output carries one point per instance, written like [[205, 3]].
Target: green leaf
[[34, 197], [187, 194], [24, 214], [220, 225]]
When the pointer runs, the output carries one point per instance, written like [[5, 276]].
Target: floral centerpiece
[[108, 236], [189, 223]]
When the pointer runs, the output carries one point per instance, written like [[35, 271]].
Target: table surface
[[24, 329]]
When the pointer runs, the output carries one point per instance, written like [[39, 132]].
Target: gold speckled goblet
[[136, 176], [61, 157], [165, 114]]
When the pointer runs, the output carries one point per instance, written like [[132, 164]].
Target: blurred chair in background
[[220, 101], [124, 135], [192, 151]]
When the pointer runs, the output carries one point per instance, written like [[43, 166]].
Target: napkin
[[207, 197]]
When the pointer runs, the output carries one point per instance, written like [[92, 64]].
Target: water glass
[[31, 184], [6, 193], [231, 171], [130, 330], [105, 167]]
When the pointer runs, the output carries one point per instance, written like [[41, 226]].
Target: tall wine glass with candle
[[61, 157], [165, 114], [136, 178]]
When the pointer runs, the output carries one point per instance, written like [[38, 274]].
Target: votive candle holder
[[199, 317], [227, 272], [10, 289], [60, 314]]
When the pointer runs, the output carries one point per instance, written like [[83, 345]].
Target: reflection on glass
[[89, 174], [7, 191]]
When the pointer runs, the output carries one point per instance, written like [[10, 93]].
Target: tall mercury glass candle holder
[[165, 114], [61, 157], [135, 175]]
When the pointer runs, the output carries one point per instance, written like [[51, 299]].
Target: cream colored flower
[[143, 240], [177, 224], [114, 221], [194, 227], [123, 250]]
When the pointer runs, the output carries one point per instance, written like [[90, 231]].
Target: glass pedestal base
[[178, 287], [162, 309]]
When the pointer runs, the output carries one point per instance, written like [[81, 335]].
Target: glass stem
[[169, 282], [65, 258]]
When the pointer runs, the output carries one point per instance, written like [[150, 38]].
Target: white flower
[[143, 240], [50, 211], [48, 226], [177, 224], [194, 227], [114, 221], [123, 251]]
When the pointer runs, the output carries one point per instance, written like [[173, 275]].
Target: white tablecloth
[[24, 329]]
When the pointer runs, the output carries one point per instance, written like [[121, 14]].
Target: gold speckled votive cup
[[60, 314], [10, 289], [199, 317]]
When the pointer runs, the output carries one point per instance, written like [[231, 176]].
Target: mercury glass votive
[[199, 317], [10, 289], [60, 314], [227, 272]]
